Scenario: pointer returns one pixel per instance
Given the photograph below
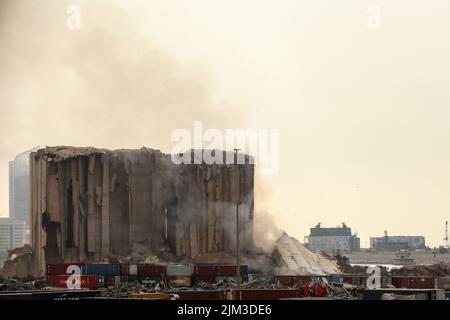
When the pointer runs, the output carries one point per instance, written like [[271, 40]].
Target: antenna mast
[[446, 235]]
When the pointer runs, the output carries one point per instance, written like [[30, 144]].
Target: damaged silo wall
[[89, 203]]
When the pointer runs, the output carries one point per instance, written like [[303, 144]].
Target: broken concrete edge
[[293, 258], [61, 153]]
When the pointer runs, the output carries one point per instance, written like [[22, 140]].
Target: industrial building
[[332, 239], [19, 190], [88, 203], [395, 243]]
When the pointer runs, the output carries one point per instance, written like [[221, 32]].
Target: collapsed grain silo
[[88, 203]]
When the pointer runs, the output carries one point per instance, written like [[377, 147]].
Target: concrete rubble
[[293, 258], [18, 263], [436, 270], [17, 285]]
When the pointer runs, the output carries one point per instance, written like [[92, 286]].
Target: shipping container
[[179, 281], [423, 282], [356, 280], [179, 270], [414, 282], [150, 281], [361, 280], [101, 269], [133, 270], [128, 269], [335, 278], [112, 281], [145, 270], [219, 270], [124, 269], [56, 269], [86, 281]]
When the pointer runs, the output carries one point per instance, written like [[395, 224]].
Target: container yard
[[216, 282]]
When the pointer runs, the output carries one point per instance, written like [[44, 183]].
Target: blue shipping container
[[335, 278], [101, 269]]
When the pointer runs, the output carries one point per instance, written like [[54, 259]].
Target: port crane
[[446, 236]]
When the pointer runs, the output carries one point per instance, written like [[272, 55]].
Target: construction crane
[[446, 235]]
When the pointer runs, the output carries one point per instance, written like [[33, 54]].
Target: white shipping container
[[179, 270], [133, 270]]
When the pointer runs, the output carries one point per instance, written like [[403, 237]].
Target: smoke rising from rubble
[[265, 227]]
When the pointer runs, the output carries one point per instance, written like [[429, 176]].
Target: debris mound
[[436, 270], [293, 258]]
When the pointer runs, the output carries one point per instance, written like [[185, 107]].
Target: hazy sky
[[364, 115]]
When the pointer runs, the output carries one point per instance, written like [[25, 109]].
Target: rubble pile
[[141, 253], [436, 270], [126, 288], [17, 285], [293, 258], [17, 264], [231, 283], [343, 291]]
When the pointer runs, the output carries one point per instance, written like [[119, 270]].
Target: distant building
[[12, 235], [19, 187], [396, 243], [332, 239]]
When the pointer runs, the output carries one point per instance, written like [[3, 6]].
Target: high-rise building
[[19, 187], [13, 235]]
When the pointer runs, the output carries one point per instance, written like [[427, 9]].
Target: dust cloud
[[106, 85]]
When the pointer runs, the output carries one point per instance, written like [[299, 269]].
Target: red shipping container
[[124, 269], [414, 282], [56, 269], [205, 271], [151, 270], [423, 283], [401, 282], [86, 281], [110, 281], [217, 271]]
